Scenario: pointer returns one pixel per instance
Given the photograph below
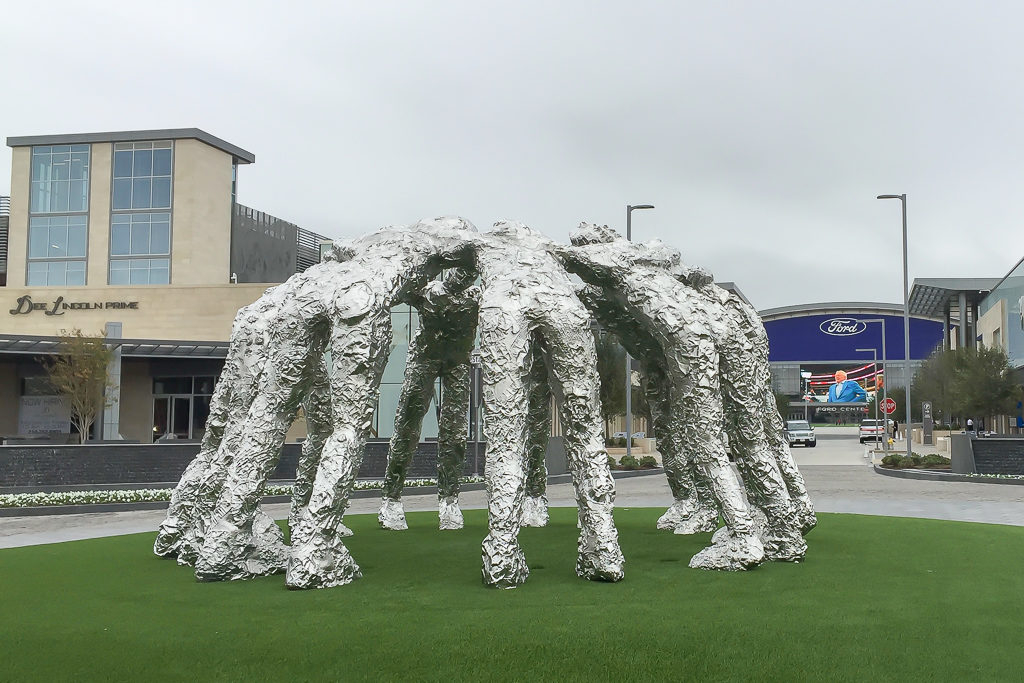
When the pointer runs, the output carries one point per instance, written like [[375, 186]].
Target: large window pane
[[77, 199], [160, 238], [122, 164], [58, 246], [59, 196], [76, 240], [120, 239], [161, 193], [143, 163], [140, 237], [38, 237], [57, 273], [141, 193], [37, 274], [162, 162], [122, 194], [76, 273], [160, 272], [119, 272]]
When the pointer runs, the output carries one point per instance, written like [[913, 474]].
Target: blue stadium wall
[[806, 339]]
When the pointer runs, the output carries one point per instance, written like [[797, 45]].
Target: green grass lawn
[[877, 599]]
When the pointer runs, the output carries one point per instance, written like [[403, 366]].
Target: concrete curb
[[162, 504], [925, 475]]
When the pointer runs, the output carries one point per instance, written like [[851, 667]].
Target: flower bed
[[24, 500]]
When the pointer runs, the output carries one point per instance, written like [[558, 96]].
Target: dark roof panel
[[240, 155]]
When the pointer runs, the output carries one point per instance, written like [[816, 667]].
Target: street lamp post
[[629, 373], [906, 313]]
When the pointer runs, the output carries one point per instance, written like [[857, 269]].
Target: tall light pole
[[906, 313], [629, 374]]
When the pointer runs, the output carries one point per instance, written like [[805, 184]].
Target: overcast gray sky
[[762, 131]]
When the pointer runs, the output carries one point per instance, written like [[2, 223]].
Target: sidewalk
[[839, 487]]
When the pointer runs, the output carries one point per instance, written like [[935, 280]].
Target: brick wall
[[37, 467]]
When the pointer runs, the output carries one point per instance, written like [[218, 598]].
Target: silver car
[[800, 431]]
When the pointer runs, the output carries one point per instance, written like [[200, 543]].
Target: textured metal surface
[[440, 349], [526, 296], [703, 352], [703, 360]]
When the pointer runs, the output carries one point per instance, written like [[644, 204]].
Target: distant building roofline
[[240, 155], [850, 307]]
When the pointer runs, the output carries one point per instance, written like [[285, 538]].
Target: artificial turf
[[876, 599]]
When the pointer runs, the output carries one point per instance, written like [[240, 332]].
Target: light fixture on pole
[[630, 208], [906, 314]]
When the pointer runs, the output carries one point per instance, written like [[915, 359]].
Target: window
[[140, 239], [140, 234], [60, 179], [142, 176], [56, 250], [58, 222]]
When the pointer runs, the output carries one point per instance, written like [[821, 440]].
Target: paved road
[[838, 478]]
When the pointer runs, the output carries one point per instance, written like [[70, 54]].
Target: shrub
[[620, 442], [612, 464], [628, 462], [647, 462]]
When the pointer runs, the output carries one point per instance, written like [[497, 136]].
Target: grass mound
[[877, 598]]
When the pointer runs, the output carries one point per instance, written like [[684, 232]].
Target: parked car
[[619, 435], [870, 429], [800, 431]]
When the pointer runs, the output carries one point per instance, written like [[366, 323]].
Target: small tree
[[79, 373]]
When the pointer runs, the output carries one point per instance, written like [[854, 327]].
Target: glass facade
[[140, 239], [404, 322], [181, 406], [60, 179], [57, 250], [133, 235], [1011, 289], [142, 175], [58, 223]]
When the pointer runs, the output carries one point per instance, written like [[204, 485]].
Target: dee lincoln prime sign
[[60, 305]]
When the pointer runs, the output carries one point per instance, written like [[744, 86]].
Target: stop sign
[[889, 406]]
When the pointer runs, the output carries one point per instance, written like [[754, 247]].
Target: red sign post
[[888, 406]]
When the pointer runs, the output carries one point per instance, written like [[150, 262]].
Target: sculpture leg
[[699, 417], [572, 364], [787, 468], [413, 403], [538, 429], [185, 499], [504, 349], [317, 408], [757, 464], [230, 549], [690, 512], [451, 443], [359, 352]]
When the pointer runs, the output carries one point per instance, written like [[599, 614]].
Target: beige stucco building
[[136, 235]]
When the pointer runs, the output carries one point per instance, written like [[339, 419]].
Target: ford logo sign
[[842, 327]]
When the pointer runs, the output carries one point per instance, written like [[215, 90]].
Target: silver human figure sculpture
[[348, 305], [193, 499], [688, 334], [525, 291], [440, 348]]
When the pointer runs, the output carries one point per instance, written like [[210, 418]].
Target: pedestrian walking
[[970, 425], [895, 428]]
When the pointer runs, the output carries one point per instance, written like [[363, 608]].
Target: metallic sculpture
[[704, 353], [441, 349], [708, 364]]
